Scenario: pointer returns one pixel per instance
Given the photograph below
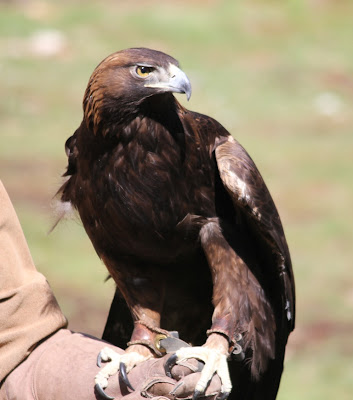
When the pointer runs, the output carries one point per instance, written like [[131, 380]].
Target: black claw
[[223, 396], [102, 393], [238, 353], [123, 376], [172, 360], [196, 395], [99, 359]]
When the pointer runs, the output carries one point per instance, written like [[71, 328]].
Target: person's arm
[[29, 311]]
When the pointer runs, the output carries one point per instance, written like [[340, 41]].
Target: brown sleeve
[[29, 311]]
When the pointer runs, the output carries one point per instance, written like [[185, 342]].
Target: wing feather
[[248, 192]]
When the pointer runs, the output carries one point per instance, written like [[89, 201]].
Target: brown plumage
[[181, 217]]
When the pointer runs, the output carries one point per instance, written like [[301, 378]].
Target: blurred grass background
[[277, 74]]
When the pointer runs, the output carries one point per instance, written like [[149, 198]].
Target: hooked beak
[[175, 80]]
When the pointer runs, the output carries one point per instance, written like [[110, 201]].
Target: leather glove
[[64, 366], [150, 381]]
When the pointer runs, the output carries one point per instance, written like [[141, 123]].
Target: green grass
[[261, 68]]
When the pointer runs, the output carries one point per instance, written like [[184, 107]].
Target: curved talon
[[170, 363], [101, 392], [223, 396], [196, 395], [238, 353], [99, 359], [123, 376]]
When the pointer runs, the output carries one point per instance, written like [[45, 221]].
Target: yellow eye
[[143, 71]]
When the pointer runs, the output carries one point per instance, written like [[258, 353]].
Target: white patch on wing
[[231, 139], [233, 182], [242, 187], [289, 314], [256, 212], [238, 185]]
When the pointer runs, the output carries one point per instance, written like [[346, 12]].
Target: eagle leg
[[226, 268], [143, 293]]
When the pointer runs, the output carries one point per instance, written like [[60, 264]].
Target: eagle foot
[[115, 362], [215, 362]]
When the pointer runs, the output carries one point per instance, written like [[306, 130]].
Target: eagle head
[[125, 79]]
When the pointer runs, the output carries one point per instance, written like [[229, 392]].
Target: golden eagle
[[182, 219]]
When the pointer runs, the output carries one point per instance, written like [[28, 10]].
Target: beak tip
[[186, 88]]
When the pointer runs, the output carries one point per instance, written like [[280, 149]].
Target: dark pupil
[[145, 70]]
